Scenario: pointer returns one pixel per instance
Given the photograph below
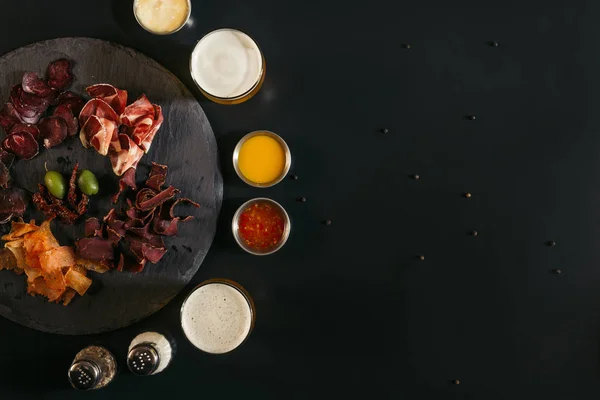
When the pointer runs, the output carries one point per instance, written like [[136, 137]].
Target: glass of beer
[[217, 316], [227, 66]]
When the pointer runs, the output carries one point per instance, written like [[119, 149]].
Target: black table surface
[[351, 309]]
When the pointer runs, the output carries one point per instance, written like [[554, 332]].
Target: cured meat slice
[[9, 116], [128, 157], [13, 201], [127, 180], [23, 109], [33, 84], [65, 112], [72, 100], [99, 108], [6, 158], [115, 97], [140, 112], [53, 130], [157, 176], [95, 249], [98, 132], [27, 103], [22, 144], [59, 74], [32, 129], [83, 204], [165, 222], [144, 138], [145, 203], [91, 227]]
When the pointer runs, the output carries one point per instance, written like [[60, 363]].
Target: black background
[[349, 309]]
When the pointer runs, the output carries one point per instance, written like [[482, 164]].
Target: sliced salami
[[53, 130], [22, 144], [59, 74], [64, 111], [32, 129], [72, 100], [36, 86], [9, 116]]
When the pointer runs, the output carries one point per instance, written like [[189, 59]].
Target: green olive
[[56, 184], [88, 183]]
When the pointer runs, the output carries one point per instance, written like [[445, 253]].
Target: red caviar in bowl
[[261, 226]]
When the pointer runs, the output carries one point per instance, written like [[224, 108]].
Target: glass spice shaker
[[93, 368], [149, 354]]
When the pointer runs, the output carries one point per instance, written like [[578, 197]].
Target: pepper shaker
[[149, 354], [93, 368]]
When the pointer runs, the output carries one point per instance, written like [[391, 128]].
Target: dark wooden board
[[185, 143]]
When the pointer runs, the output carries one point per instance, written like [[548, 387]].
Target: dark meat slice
[[22, 144], [121, 262], [145, 137], [127, 180], [6, 158], [117, 98], [13, 201], [83, 204], [99, 108], [136, 266], [59, 74], [9, 116], [72, 194], [95, 249], [4, 176], [72, 100], [91, 227], [143, 250], [33, 84], [27, 104], [165, 222], [157, 177], [32, 129], [144, 201], [64, 111], [140, 112], [5, 217], [53, 130]]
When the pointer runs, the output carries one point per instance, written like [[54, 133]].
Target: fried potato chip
[[67, 296], [18, 229], [38, 286], [92, 265], [78, 281], [55, 259], [55, 279], [18, 252], [32, 273]]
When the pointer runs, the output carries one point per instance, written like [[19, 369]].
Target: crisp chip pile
[[52, 270]]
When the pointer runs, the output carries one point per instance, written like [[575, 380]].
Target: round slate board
[[185, 143]]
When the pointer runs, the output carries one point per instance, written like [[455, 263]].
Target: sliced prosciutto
[[140, 112], [59, 74], [22, 144], [144, 138], [98, 132], [116, 98], [53, 130], [99, 108], [128, 157]]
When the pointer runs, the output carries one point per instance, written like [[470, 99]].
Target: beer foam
[[216, 318], [226, 63]]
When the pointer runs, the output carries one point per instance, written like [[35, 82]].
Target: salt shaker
[[149, 354], [93, 368]]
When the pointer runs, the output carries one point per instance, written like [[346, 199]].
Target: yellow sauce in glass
[[261, 159], [161, 16]]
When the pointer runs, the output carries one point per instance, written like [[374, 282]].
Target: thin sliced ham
[[128, 157], [140, 112], [117, 98], [99, 108], [144, 139], [97, 132]]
